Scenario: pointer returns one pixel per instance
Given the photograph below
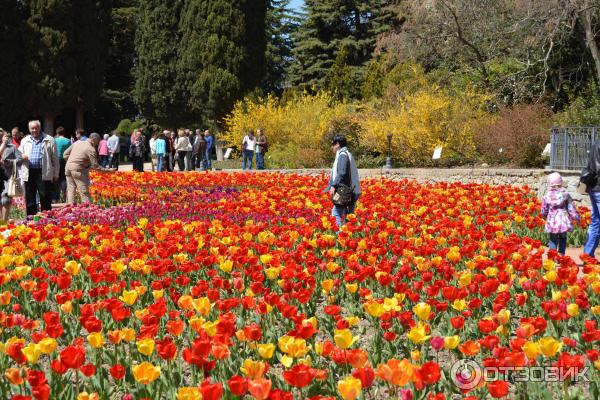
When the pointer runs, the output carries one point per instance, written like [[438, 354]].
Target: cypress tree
[[222, 53], [51, 67], [65, 44], [158, 88], [11, 25], [332, 25]]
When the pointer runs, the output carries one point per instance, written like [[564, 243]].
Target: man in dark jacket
[[199, 150], [589, 176], [344, 171]]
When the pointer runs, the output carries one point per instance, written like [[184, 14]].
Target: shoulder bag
[[13, 189], [342, 196]]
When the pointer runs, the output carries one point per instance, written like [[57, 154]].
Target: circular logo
[[466, 374]]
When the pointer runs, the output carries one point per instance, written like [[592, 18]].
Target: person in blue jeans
[[344, 171], [210, 142], [589, 176], [160, 146], [248, 146]]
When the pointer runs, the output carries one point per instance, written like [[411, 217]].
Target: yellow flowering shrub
[[423, 120], [297, 129]]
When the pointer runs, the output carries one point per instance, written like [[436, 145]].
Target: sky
[[297, 4]]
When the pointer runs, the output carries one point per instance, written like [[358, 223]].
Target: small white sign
[[228, 153], [547, 149], [500, 150], [437, 153]]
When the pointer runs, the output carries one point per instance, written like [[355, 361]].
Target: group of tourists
[[185, 149], [41, 167]]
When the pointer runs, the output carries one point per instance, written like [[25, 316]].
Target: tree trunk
[[590, 38], [79, 117], [49, 124]]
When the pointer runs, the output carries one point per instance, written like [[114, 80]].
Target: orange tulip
[[259, 388]]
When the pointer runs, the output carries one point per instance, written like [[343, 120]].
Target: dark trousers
[[36, 186], [138, 164], [114, 161], [61, 185]]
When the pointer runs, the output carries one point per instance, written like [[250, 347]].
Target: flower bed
[[212, 286]]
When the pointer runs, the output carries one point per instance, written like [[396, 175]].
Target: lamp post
[[388, 159]]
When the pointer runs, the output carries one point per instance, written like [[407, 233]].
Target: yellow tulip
[[459, 304], [573, 309], [266, 350], [327, 285], [129, 297], [349, 388], [128, 334], [503, 316], [343, 338], [145, 373], [451, 342], [189, 393], [422, 311], [418, 334], [549, 346], [88, 396], [31, 352], [226, 265], [374, 309], [202, 305], [67, 307], [158, 294], [96, 340], [531, 350], [352, 287], [47, 345], [72, 267], [145, 346], [253, 369]]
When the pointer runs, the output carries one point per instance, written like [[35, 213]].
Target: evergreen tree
[[11, 25], [91, 39], [66, 42], [222, 53], [158, 90], [331, 25], [281, 24], [51, 68], [116, 101]]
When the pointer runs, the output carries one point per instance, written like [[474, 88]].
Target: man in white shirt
[[152, 144], [113, 151], [248, 147]]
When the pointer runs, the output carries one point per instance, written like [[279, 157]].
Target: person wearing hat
[[559, 211], [344, 173]]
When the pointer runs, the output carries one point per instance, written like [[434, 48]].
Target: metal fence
[[570, 146]]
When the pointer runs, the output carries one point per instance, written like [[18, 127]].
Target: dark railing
[[570, 146]]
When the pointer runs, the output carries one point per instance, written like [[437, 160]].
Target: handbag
[[342, 196], [14, 188], [588, 177]]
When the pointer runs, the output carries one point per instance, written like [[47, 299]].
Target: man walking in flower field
[[344, 184]]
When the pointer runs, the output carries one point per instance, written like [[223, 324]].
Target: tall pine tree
[[11, 28], [158, 88], [222, 53], [330, 26], [281, 24]]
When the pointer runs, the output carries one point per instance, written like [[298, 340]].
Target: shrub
[[126, 126], [520, 131], [297, 129], [421, 121]]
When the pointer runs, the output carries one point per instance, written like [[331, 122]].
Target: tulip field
[[238, 286]]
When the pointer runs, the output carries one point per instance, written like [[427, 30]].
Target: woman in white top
[[182, 148], [248, 146]]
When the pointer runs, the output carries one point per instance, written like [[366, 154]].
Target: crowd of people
[[42, 168]]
